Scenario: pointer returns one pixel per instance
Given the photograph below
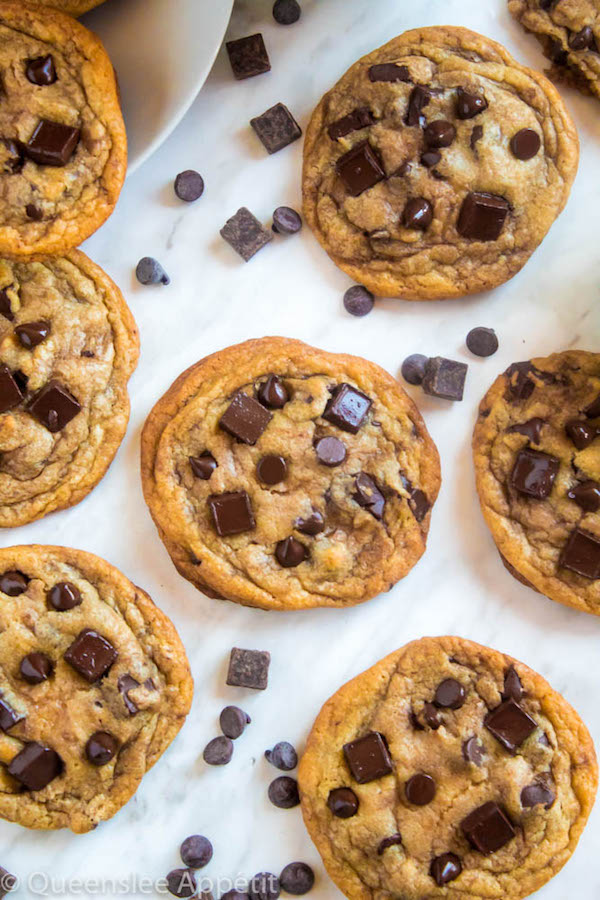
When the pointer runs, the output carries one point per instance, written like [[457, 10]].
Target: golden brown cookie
[[447, 770], [94, 686], [68, 345], [63, 153], [537, 465], [436, 165], [286, 477], [73, 7]]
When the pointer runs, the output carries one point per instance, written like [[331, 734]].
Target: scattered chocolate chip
[[101, 748], [203, 466], [482, 216], [537, 793], [286, 220], [581, 433], [418, 100], [439, 133], [354, 121], [245, 418], [488, 828], [196, 851], [532, 429], [534, 473], [368, 757], [312, 525], [513, 689], [54, 406], [219, 751], [413, 368], [248, 56], [297, 878], [249, 668], [469, 105], [330, 451], [283, 792], [347, 408], [34, 212], [343, 802], [13, 583], [31, 334], [35, 766], [525, 144], [52, 144], [5, 306], [271, 469], [181, 883], [127, 683], [510, 725], [473, 751], [476, 136], [430, 158], [393, 840], [482, 341], [41, 70], [368, 495], [35, 668], [189, 185], [360, 168], [264, 886], [445, 868], [586, 495], [358, 301], [233, 721], [150, 271], [581, 554], [91, 655], [583, 39], [245, 234], [418, 214], [286, 12], [64, 596], [276, 128], [420, 790], [419, 504], [444, 378], [431, 716], [290, 553], [10, 392], [9, 717], [389, 72], [450, 694], [283, 756], [272, 393], [231, 513]]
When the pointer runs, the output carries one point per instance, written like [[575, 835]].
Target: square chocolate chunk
[[347, 408], [445, 378], [54, 406], [276, 128], [581, 554], [52, 144], [510, 725], [35, 766], [245, 418], [360, 168], [8, 716], [249, 668], [231, 513], [488, 828], [482, 216], [10, 393], [248, 56], [534, 473], [91, 655], [354, 121], [245, 233], [368, 758], [389, 72]]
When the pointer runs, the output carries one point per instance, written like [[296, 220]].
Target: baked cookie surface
[[68, 345], [446, 770], [286, 477], [94, 684], [537, 467], [73, 7], [569, 32], [436, 165], [64, 151]]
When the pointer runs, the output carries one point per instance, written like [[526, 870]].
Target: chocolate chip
[[430, 158], [413, 368], [419, 504], [593, 410], [445, 868], [586, 495], [358, 301], [513, 689], [418, 100], [469, 105], [520, 386], [534, 473], [444, 378], [91, 655], [249, 668], [488, 828], [330, 451], [10, 393], [450, 694], [439, 133], [389, 72], [271, 469], [581, 433], [13, 583], [101, 748], [34, 212], [532, 429], [368, 757], [245, 233], [343, 802], [31, 334], [276, 128], [583, 39], [150, 271], [181, 883], [35, 668], [420, 790], [9, 717], [21, 380], [273, 393], [41, 70], [510, 725], [476, 136], [581, 554], [368, 495], [52, 144], [537, 793], [196, 851], [354, 121], [297, 878], [555, 51], [6, 306], [418, 214], [264, 886], [360, 168], [219, 751], [64, 596], [248, 56], [283, 756], [312, 525], [286, 12], [125, 684], [283, 792], [482, 341], [347, 408], [233, 721], [392, 841], [54, 406], [473, 751], [290, 553], [203, 466], [231, 513], [189, 185], [245, 418], [525, 144], [35, 766], [482, 216], [431, 716], [13, 158], [286, 220]]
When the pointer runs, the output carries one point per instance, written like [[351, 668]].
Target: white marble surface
[[291, 288]]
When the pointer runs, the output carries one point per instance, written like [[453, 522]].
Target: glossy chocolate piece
[[273, 393], [245, 418], [359, 118], [510, 725], [418, 100], [64, 596], [525, 144], [482, 216], [439, 133], [91, 655], [532, 429], [271, 469], [536, 794], [513, 689], [290, 552], [10, 392], [417, 214], [52, 144], [445, 868], [13, 583], [581, 554], [9, 717], [488, 828], [534, 473], [311, 525], [35, 766], [41, 70], [420, 789], [586, 495], [368, 495], [473, 751], [203, 466], [450, 694], [581, 433], [388, 72], [469, 105], [101, 748], [368, 757], [30, 334], [348, 408], [231, 513], [54, 407], [394, 840], [360, 168], [36, 668]]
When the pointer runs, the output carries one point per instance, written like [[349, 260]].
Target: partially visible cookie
[[63, 152], [447, 770], [94, 686], [436, 165], [73, 7], [285, 477], [68, 345], [537, 465], [569, 32]]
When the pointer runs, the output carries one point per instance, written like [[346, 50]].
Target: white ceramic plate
[[162, 51]]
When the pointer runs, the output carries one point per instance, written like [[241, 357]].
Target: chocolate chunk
[[245, 233], [482, 341], [525, 144], [271, 469], [586, 495], [581, 554], [181, 883], [431, 716], [534, 473], [125, 684], [264, 886], [360, 168], [420, 790], [343, 802], [150, 271], [537, 793], [488, 828], [413, 368], [273, 393], [430, 158], [312, 525], [439, 133], [444, 378], [347, 408], [482, 216], [91, 655], [219, 751], [283, 792], [283, 756], [392, 841], [31, 334], [450, 694], [510, 725], [469, 105], [286, 220], [64, 596], [445, 868], [41, 70], [286, 12], [54, 406], [368, 495], [581, 433], [35, 668], [203, 466], [593, 410], [476, 136], [290, 553], [418, 100], [13, 583], [12, 155], [583, 39], [101, 748], [35, 766], [245, 418], [473, 751], [196, 851], [358, 301], [389, 72], [5, 306], [418, 214], [189, 185], [249, 668], [520, 386], [419, 504], [248, 56], [276, 128], [233, 721], [231, 513], [330, 451], [513, 689], [34, 212], [297, 878], [532, 429], [9, 717], [10, 393], [368, 757], [554, 51], [52, 144], [354, 121]]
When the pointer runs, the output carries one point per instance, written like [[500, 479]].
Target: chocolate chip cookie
[[447, 770], [569, 32], [73, 7], [94, 686], [436, 165], [537, 465], [68, 344], [285, 477], [63, 150]]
